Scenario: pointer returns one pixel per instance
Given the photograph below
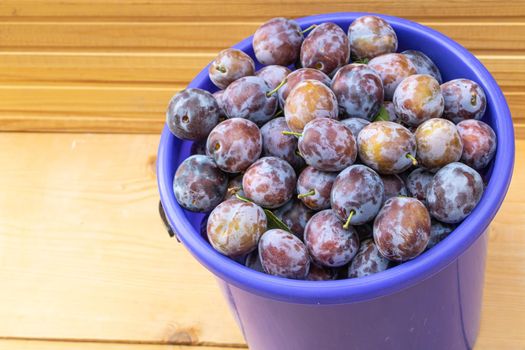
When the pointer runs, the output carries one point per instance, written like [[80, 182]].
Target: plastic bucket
[[431, 302]]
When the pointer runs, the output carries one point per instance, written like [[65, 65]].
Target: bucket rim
[[385, 282]]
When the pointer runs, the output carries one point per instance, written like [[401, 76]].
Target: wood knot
[[183, 335], [152, 165]]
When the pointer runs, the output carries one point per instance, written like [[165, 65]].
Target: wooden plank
[[144, 69], [22, 344], [96, 108], [84, 253], [213, 36], [167, 69], [258, 9], [508, 70], [86, 256], [108, 108], [503, 306]]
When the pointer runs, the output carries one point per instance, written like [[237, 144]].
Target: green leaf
[[275, 222], [272, 220], [361, 60], [382, 115]]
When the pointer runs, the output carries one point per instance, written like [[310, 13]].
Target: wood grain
[[87, 258], [157, 69], [111, 66], [84, 250], [22, 344], [211, 36], [257, 9]]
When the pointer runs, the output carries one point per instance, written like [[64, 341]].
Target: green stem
[[412, 158], [298, 134], [244, 199], [233, 190], [346, 226], [307, 194], [309, 28], [279, 113], [220, 69], [271, 92]]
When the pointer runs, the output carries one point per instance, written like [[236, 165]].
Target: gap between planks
[[80, 344]]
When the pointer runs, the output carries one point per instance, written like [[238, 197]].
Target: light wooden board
[[211, 36], [157, 69], [111, 66], [87, 258], [69, 345], [83, 253], [258, 9]]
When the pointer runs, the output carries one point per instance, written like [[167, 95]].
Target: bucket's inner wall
[[449, 63]]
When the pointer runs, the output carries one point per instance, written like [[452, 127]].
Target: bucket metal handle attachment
[[170, 230]]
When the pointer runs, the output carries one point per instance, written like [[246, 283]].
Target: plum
[[199, 185], [230, 65], [192, 114], [359, 91], [234, 144], [235, 226], [402, 229], [283, 254], [269, 182]]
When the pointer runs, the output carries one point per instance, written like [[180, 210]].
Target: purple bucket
[[431, 302]]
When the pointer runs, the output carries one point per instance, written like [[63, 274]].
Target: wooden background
[[84, 260]]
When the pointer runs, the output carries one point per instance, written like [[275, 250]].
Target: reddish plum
[[269, 182], [282, 254], [308, 100], [418, 98], [371, 36], [230, 65], [423, 64], [235, 226], [249, 98], [298, 76], [394, 186], [454, 192], [273, 75], [325, 48], [402, 228], [392, 68], [279, 145], [234, 144], [418, 182], [328, 243], [314, 187], [357, 195], [320, 273], [464, 99], [479, 143], [438, 144], [327, 145], [359, 91], [387, 147], [278, 41], [367, 261]]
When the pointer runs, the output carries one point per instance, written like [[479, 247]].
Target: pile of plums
[[316, 168]]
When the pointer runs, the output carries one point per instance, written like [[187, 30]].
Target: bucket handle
[[170, 230]]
